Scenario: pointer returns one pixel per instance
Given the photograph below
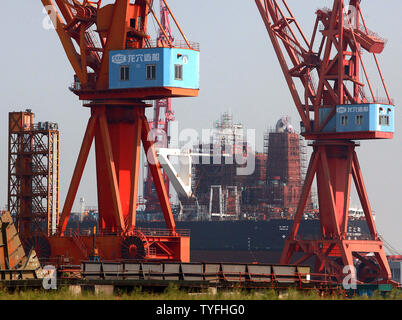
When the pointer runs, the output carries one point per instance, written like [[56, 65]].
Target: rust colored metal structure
[[14, 262], [285, 166], [89, 33], [333, 109], [33, 175]]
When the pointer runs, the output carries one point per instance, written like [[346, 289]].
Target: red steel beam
[[135, 172], [292, 87], [116, 40], [155, 167], [78, 171], [346, 200], [361, 191], [312, 169], [328, 189], [111, 170]]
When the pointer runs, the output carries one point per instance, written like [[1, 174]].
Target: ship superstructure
[[234, 217], [271, 190]]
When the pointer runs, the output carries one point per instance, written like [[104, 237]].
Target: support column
[[78, 171], [135, 172], [111, 172], [154, 165]]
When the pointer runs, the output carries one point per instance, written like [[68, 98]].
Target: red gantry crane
[[328, 80], [118, 68]]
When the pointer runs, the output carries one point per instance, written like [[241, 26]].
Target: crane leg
[[154, 165], [337, 163]]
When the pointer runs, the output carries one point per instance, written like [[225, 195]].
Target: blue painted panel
[[383, 110], [347, 118], [164, 60], [189, 59], [360, 118], [331, 125]]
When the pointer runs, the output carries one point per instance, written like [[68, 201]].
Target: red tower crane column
[[336, 62], [118, 126]]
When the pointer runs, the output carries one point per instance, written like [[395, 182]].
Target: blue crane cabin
[[361, 120], [154, 68]]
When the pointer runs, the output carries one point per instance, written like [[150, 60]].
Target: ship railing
[[379, 100], [148, 232], [181, 44], [312, 237], [163, 232]]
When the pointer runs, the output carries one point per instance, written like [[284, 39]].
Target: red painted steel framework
[[88, 32], [33, 175], [163, 114], [336, 60]]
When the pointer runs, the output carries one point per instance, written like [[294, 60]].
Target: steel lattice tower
[[33, 174]]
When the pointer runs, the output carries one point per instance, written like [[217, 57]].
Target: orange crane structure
[[118, 68], [327, 78]]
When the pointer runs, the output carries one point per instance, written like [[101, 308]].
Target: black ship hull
[[247, 241]]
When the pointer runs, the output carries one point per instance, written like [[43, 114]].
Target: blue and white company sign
[[119, 58], [135, 58], [352, 109]]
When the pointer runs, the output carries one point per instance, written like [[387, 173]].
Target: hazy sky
[[239, 73]]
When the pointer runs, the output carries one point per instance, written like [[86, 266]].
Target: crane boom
[[277, 24], [328, 71], [76, 28]]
